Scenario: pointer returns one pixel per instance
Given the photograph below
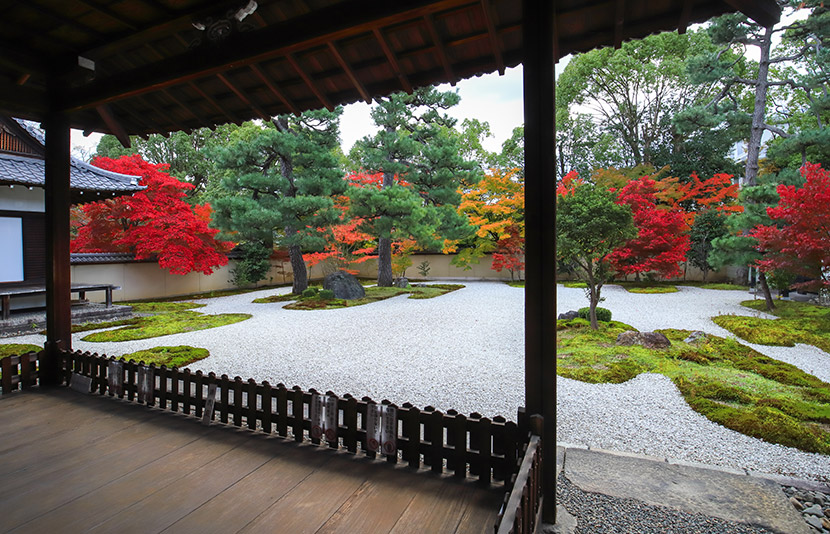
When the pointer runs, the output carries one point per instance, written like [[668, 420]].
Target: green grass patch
[[178, 356], [516, 283], [647, 287], [576, 285], [798, 322], [16, 349], [725, 381], [723, 287], [373, 294], [165, 318]]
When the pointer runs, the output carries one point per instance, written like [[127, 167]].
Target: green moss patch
[[373, 294], [517, 283], [166, 318], [725, 381], [576, 285], [647, 287], [178, 356], [16, 349], [798, 322]]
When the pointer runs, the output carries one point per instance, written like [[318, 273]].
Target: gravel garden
[[464, 350]]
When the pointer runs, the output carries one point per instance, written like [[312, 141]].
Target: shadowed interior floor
[[76, 463]]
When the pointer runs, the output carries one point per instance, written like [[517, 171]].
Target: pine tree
[[285, 175], [422, 173]]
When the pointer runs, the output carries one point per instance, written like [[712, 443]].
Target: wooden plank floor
[[75, 463]]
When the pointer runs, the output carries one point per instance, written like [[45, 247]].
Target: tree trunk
[[753, 148], [762, 279], [594, 300], [385, 275], [298, 270]]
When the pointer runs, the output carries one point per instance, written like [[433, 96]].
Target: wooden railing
[[444, 442], [19, 372], [522, 505]]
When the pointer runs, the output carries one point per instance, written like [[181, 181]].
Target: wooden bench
[[6, 293]]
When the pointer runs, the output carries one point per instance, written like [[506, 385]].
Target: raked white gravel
[[464, 350]]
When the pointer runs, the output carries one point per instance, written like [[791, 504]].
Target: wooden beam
[[442, 54], [685, 17], [262, 115], [764, 12], [309, 82], [57, 198], [619, 23], [60, 19], [540, 233], [112, 123], [107, 13], [273, 88], [222, 110], [495, 43], [341, 20], [393, 60], [349, 72]]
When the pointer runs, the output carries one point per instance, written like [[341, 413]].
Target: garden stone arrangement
[[465, 350], [813, 505]]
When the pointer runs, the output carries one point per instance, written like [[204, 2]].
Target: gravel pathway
[[464, 350]]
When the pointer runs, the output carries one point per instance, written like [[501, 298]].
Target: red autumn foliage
[[662, 240], [717, 192], [568, 183], [510, 252], [155, 222], [801, 245]]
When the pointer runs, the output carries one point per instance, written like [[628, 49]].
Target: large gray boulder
[[344, 285], [649, 340]]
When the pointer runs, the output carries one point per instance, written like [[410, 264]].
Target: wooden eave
[[155, 72]]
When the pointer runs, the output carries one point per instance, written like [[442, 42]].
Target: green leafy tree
[[422, 174], [184, 152], [284, 176], [632, 94], [709, 224], [590, 226]]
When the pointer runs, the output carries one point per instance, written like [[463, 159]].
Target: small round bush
[[309, 293], [326, 294], [603, 314]]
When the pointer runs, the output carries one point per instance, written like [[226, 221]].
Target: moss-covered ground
[[164, 318], [647, 287], [798, 322], [16, 349], [373, 294], [177, 356], [721, 287], [725, 381]]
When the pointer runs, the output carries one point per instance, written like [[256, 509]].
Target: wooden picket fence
[[520, 512], [19, 372], [475, 446]]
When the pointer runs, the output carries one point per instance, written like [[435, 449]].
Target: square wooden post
[[57, 199], [540, 233]]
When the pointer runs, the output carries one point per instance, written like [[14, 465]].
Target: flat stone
[[565, 523], [814, 510], [813, 521], [796, 504], [731, 497]]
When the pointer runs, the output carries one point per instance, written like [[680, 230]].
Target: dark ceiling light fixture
[[217, 29]]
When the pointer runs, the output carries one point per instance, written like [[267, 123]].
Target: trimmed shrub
[[603, 314], [326, 294], [309, 293]]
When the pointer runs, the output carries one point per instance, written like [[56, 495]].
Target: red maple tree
[[662, 240], [695, 195], [510, 252], [155, 222], [801, 245]]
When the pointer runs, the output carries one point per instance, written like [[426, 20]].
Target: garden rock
[[344, 285], [694, 336], [568, 315], [649, 340], [401, 282]]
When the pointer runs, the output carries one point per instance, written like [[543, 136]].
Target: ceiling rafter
[[114, 125], [273, 88], [169, 94], [495, 42], [764, 13], [349, 72], [107, 13], [57, 17], [393, 60], [442, 53], [221, 109], [685, 17], [247, 101], [340, 21], [309, 82]]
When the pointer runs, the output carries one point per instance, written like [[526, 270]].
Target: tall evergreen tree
[[285, 173], [422, 174]]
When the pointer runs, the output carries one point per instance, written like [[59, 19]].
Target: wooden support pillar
[[57, 199], [540, 233]]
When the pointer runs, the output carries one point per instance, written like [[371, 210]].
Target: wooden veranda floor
[[75, 463]]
